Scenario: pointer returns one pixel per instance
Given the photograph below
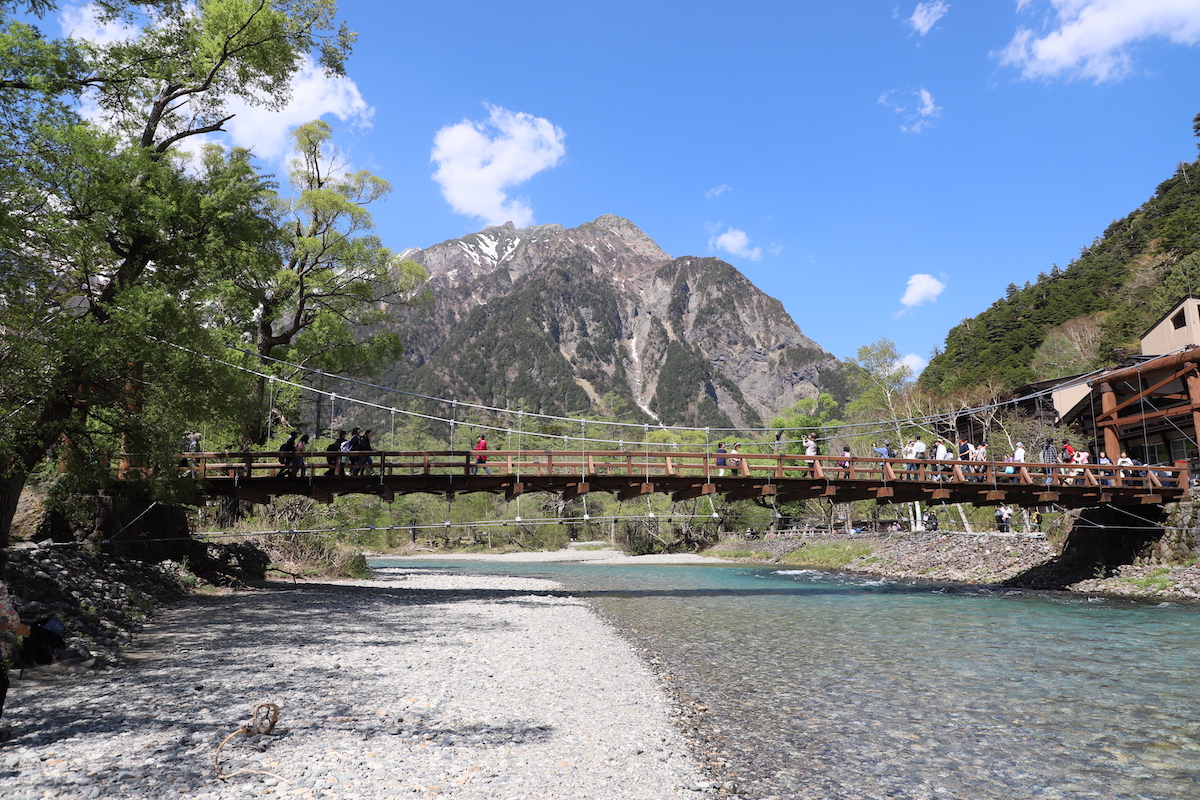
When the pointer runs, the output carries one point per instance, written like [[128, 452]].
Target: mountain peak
[[631, 234]]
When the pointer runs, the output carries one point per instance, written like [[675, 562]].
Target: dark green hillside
[[1120, 285]]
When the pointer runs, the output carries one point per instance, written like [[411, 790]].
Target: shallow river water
[[822, 685]]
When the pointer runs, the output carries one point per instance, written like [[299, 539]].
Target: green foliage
[[827, 555], [113, 240], [814, 415]]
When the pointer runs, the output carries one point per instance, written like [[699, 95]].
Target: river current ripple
[[821, 685]]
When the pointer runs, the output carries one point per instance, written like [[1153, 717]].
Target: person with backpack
[[349, 446], [287, 458], [364, 446], [720, 459], [10, 623], [334, 447]]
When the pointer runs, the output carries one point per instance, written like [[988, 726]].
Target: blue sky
[[884, 169]]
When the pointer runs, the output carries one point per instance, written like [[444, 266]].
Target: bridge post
[[1108, 413]]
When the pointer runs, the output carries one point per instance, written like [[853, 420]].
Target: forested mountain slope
[[1079, 318]]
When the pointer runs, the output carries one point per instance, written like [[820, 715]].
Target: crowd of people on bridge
[[919, 457]]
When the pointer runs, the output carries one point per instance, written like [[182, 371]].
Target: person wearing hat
[[1019, 453]]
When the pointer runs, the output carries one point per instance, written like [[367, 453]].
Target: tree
[[882, 382], [111, 237], [815, 415], [331, 277]]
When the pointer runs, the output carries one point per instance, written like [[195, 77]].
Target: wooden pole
[[1112, 440]]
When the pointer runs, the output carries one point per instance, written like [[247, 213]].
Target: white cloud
[[717, 191], [914, 362], [477, 162], [83, 23], [922, 288], [926, 15], [314, 94], [735, 243], [916, 108], [1092, 39]]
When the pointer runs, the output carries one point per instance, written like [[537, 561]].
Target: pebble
[[416, 684]]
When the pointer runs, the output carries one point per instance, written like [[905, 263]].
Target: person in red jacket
[[480, 456]]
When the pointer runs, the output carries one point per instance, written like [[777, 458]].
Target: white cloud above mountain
[[478, 162], [922, 288], [1094, 39], [735, 242]]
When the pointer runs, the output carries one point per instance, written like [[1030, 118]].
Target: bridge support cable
[[848, 429]]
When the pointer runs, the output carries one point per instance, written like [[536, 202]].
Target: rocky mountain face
[[599, 320]]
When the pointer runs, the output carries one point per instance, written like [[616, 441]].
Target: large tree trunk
[[10, 496]]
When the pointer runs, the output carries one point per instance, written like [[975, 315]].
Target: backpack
[[287, 447]]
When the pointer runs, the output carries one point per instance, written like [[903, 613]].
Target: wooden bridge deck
[[255, 476]]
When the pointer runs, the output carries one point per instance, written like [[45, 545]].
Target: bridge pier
[[1110, 536]]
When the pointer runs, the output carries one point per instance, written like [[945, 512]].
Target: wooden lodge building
[[1148, 407]]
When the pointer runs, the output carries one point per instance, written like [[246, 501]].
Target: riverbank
[[415, 684], [996, 559]]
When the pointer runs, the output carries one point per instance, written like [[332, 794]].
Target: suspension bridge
[[259, 476]]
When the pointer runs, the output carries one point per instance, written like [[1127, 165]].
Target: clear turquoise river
[[823, 685]]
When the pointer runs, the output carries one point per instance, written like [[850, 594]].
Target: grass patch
[[585, 547], [753, 555], [1158, 580], [828, 555]]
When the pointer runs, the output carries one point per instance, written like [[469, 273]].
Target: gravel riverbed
[[410, 685]]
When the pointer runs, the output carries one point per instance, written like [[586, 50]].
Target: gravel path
[[410, 685]]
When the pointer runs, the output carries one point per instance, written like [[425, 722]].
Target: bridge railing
[[648, 464]]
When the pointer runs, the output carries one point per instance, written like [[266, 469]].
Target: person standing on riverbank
[[10, 623]]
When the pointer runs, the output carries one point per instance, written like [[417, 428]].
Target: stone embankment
[[101, 602]]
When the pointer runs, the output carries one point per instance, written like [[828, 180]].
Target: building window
[[1179, 320]]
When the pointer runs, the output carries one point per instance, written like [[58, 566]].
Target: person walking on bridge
[[1049, 456], [287, 456], [301, 448], [332, 461], [810, 450], [480, 456]]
